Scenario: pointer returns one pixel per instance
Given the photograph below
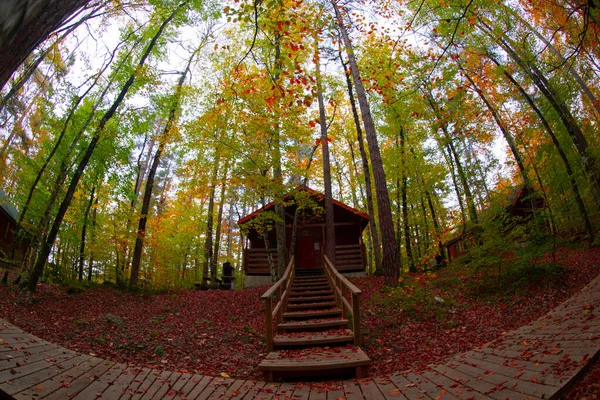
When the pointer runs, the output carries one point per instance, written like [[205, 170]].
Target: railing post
[[269, 323], [356, 319]]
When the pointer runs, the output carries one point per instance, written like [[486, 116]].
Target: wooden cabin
[[8, 225], [310, 235], [518, 208]]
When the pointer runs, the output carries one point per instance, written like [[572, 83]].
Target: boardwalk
[[536, 361]]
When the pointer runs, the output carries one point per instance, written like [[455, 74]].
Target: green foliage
[[415, 301], [113, 319], [159, 351]]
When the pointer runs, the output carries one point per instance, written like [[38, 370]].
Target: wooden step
[[311, 282], [314, 338], [309, 272], [301, 299], [310, 278], [315, 287], [335, 312], [313, 325], [321, 361], [311, 305], [295, 293]]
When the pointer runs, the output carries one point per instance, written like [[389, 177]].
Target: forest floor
[[428, 318]]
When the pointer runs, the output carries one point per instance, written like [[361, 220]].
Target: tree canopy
[[135, 136]]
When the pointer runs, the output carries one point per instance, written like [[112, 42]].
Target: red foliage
[[214, 332], [397, 341], [208, 332]]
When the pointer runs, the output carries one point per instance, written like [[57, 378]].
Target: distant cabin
[[8, 225], [518, 207], [310, 236]]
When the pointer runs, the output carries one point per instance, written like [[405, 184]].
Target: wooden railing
[[341, 288], [276, 299]]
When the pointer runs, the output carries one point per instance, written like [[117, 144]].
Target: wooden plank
[[176, 388], [234, 389], [313, 340], [336, 394], [430, 388], [301, 392], [313, 314], [268, 391], [15, 355], [252, 391], [32, 368], [388, 389], [370, 390], [135, 385], [324, 360], [221, 388], [81, 382], [48, 378], [189, 385], [407, 388], [157, 383], [453, 387], [352, 391], [101, 384], [145, 385], [313, 325], [201, 387], [317, 393], [49, 354], [165, 391], [119, 386]]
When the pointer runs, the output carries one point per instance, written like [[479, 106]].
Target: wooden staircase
[[308, 318]]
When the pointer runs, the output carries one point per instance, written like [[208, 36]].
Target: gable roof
[[310, 191], [7, 207]]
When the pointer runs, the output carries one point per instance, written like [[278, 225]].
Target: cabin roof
[[312, 192], [7, 207]]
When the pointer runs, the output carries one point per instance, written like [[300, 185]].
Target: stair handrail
[[281, 292], [340, 285]]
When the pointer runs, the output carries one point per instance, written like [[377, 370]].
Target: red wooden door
[[306, 252]]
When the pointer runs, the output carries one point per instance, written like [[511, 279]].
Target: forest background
[[136, 136]]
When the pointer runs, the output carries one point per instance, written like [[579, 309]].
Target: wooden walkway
[[538, 360]]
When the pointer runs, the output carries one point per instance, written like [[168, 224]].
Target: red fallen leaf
[[13, 372], [38, 387]]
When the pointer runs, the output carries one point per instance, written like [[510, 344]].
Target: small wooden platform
[[538, 360], [321, 362]]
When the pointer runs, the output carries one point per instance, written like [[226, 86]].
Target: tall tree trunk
[[391, 265], [210, 216], [25, 25], [459, 169], [163, 141], [94, 219], [30, 68], [42, 258], [584, 87], [507, 135], [215, 255], [37, 239], [436, 226], [574, 187], [329, 218], [367, 174], [83, 233], [455, 183], [588, 160], [404, 180]]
